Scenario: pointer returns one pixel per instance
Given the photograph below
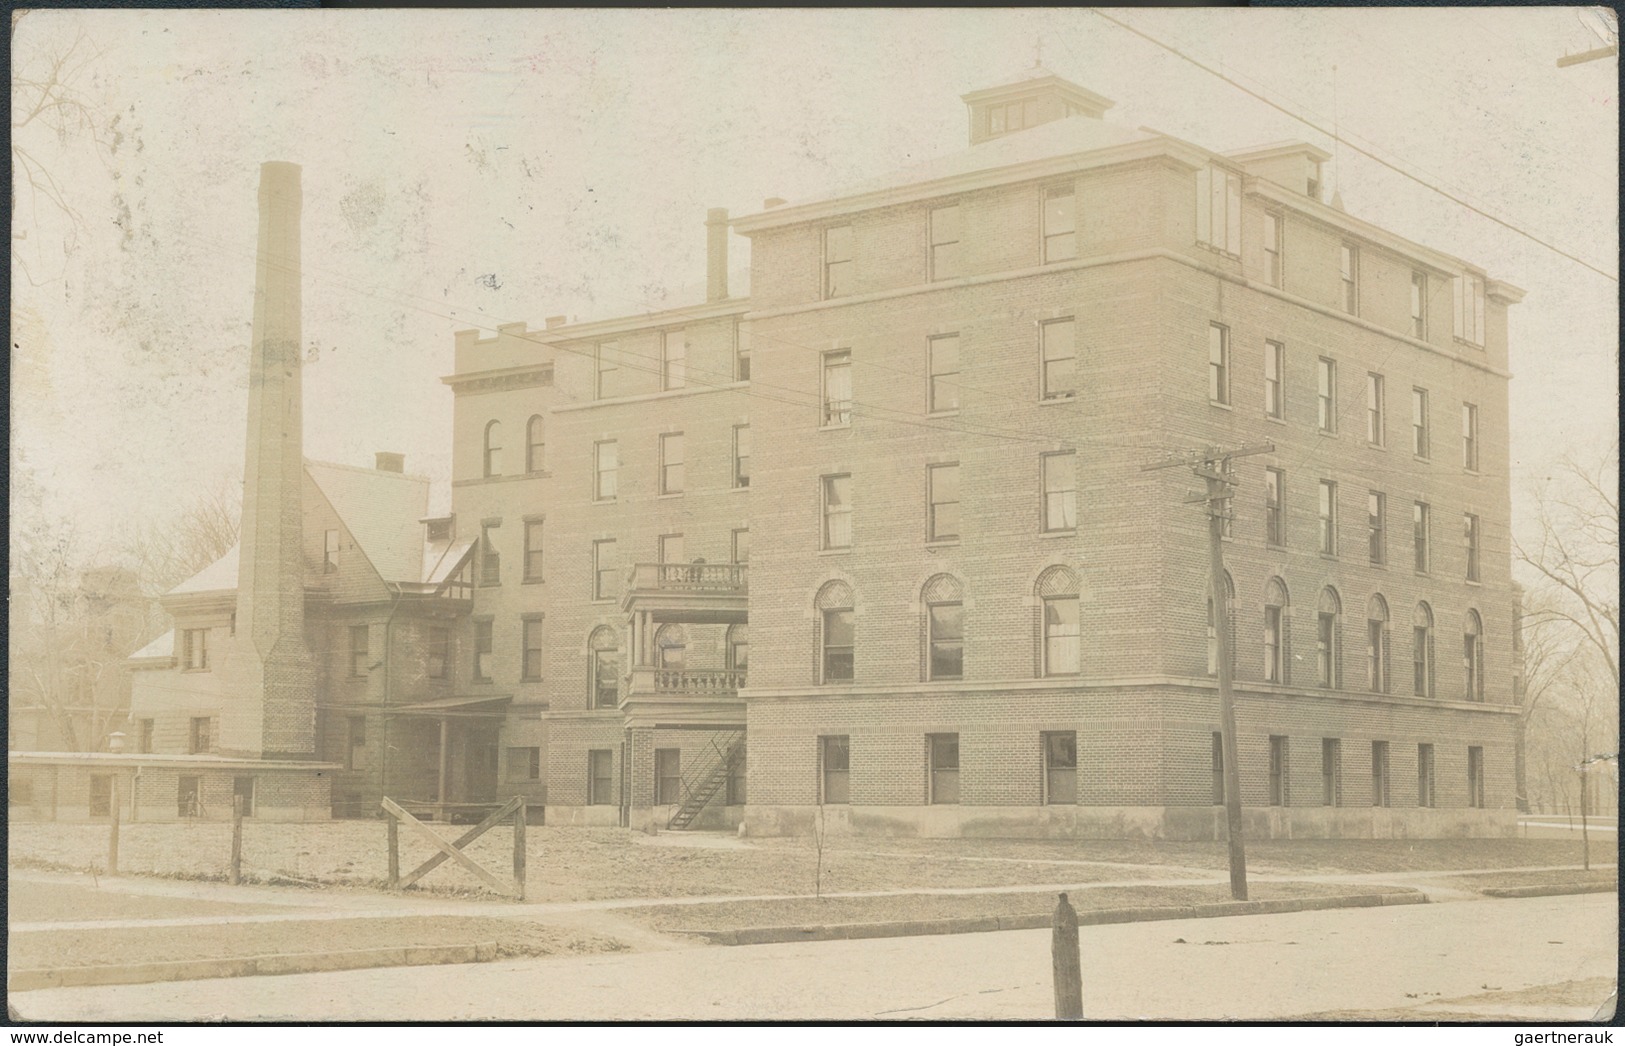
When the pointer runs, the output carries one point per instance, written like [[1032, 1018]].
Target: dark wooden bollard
[[236, 874], [1068, 965]]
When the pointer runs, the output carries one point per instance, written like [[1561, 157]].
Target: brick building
[[910, 464]]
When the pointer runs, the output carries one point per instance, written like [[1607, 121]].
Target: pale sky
[[470, 169]]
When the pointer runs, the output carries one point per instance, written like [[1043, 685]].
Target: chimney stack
[[772, 202], [716, 254], [388, 461], [555, 322]]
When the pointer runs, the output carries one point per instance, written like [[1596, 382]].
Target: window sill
[[952, 542], [1274, 420], [1050, 401], [745, 489], [1376, 446], [1378, 566], [533, 581], [950, 413], [604, 600], [1475, 582], [1471, 472], [1422, 458], [194, 671], [667, 494], [604, 501], [1328, 433], [1332, 556], [835, 551], [1069, 533], [1220, 404]]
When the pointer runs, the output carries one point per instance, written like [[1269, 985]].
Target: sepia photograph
[[779, 515]]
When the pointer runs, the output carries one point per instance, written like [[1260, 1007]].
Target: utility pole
[[1213, 465]]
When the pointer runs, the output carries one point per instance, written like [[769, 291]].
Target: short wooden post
[[519, 847], [112, 835], [236, 839], [394, 851], [1068, 966]]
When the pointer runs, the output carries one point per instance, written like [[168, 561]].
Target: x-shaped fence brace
[[453, 850]]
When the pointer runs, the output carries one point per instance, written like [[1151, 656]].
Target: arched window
[[493, 448], [671, 647], [1472, 655], [738, 647], [604, 669], [1329, 639], [1277, 633], [1422, 649], [533, 444], [1376, 645], [1213, 629], [837, 632], [1060, 632], [944, 627]]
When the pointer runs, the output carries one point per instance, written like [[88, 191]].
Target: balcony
[[713, 593], [731, 578], [687, 682]]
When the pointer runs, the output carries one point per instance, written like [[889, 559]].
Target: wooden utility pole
[[1064, 954], [236, 875], [519, 847], [112, 835], [1213, 465]]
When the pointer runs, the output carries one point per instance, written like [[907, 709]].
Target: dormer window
[[1011, 116]]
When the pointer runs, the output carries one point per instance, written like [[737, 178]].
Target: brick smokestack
[[716, 254], [273, 658]]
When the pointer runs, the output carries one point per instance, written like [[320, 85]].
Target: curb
[[1099, 917], [252, 966], [1555, 890]]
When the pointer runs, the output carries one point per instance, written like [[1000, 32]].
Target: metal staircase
[[702, 786]]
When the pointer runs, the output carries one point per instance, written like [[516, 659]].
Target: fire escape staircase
[[702, 786]]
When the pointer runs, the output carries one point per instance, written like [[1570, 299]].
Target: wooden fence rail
[[453, 850]]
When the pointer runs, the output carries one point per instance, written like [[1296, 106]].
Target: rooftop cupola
[[1034, 97]]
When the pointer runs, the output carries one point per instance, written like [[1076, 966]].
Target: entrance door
[[243, 787]]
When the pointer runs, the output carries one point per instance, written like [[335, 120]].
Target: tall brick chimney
[[716, 254], [273, 661]]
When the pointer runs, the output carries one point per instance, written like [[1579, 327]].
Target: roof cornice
[[1441, 263]]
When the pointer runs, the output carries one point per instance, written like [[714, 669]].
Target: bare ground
[[28, 902], [1494, 1006], [1559, 878]]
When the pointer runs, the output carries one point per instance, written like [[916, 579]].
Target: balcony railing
[[698, 680], [691, 577]]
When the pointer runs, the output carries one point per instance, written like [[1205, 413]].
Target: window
[[1350, 262], [604, 372], [1218, 768], [1274, 372], [942, 388], [1062, 635], [1376, 412], [1274, 512], [188, 796], [1376, 507], [359, 661], [741, 455], [1472, 656], [1470, 541], [1376, 646], [101, 795], [837, 389], [668, 776], [1469, 298], [1218, 363], [835, 753], [144, 744], [1060, 490], [1379, 773], [1469, 437], [1060, 359], [1331, 771], [944, 765], [1421, 441], [605, 654], [1422, 650], [1272, 248], [195, 649], [1278, 770], [601, 777], [201, 737], [741, 545], [483, 643], [1419, 306], [737, 652], [673, 359], [1213, 626], [942, 493], [1328, 518], [1424, 775], [355, 745], [1277, 639], [530, 667], [493, 448], [837, 511], [945, 242], [1060, 768], [837, 261], [1012, 116], [945, 628], [1326, 395], [490, 557], [1329, 640], [1475, 777], [439, 652], [533, 550], [525, 763], [838, 634], [330, 552], [671, 463], [670, 548], [604, 564], [1421, 523], [1218, 209], [1060, 225], [741, 358], [671, 647], [606, 468]]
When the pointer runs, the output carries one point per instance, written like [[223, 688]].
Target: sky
[[469, 169]]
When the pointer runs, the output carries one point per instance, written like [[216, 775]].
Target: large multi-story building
[[910, 463]]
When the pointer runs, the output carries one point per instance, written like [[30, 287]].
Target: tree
[[1548, 656], [168, 551]]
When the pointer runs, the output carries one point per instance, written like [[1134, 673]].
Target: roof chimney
[[388, 461], [772, 202], [716, 254], [555, 321]]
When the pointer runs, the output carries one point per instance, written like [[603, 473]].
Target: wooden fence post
[[236, 840], [1068, 967], [112, 835], [394, 851], [519, 847]]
